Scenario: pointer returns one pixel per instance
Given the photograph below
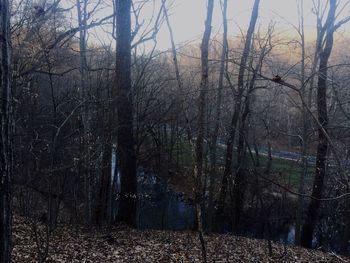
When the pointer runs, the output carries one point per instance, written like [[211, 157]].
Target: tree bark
[[321, 157], [304, 141], [344, 245], [122, 101], [198, 167], [84, 115], [239, 185], [217, 115], [6, 168], [102, 204], [237, 110]]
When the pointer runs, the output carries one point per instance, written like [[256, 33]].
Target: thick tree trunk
[[122, 100], [344, 245], [237, 110], [321, 157], [6, 131]]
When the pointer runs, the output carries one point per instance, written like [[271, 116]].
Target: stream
[[161, 208]]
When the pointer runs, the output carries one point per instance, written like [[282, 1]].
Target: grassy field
[[289, 170]]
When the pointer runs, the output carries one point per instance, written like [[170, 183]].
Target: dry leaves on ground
[[122, 244]]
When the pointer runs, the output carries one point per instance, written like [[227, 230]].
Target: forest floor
[[122, 244]]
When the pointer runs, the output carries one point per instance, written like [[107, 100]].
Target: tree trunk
[[344, 245], [237, 110], [6, 132], [198, 168], [240, 180], [179, 99], [122, 101], [239, 183], [321, 157], [304, 141], [102, 206], [217, 115], [84, 114]]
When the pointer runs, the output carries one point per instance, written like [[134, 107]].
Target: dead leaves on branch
[[121, 244]]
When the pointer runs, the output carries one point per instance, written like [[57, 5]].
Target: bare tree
[[327, 35], [237, 109], [6, 131], [122, 102], [217, 109], [304, 136], [84, 164], [198, 167]]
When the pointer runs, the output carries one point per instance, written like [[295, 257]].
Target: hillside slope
[[122, 244]]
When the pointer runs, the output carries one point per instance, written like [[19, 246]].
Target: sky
[[187, 18]]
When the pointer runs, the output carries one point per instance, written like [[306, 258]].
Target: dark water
[[158, 207], [161, 208]]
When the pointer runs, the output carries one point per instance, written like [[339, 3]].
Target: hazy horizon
[[187, 19]]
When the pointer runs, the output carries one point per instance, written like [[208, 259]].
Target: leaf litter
[[122, 244]]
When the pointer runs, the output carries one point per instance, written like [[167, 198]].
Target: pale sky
[[187, 18]]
